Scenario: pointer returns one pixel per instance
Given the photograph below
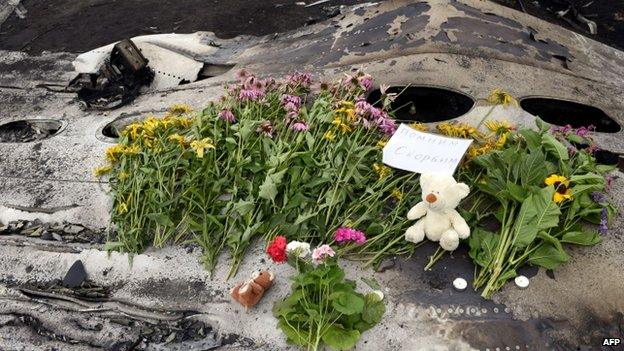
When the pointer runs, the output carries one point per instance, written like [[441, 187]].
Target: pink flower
[[346, 235], [242, 75], [250, 94], [386, 124], [366, 82], [291, 102], [300, 126], [322, 252], [227, 115], [299, 79]]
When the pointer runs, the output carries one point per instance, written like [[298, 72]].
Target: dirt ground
[[79, 26]]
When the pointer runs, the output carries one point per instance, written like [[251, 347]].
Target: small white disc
[[460, 284], [522, 282]]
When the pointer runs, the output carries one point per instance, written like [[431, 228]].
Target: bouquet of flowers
[[323, 307]]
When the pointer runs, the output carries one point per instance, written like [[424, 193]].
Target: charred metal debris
[[118, 80]]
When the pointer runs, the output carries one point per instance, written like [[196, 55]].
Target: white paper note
[[411, 150]]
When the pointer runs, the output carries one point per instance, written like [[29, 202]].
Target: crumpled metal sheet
[[173, 57]]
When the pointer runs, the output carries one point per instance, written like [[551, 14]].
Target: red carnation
[[277, 249]]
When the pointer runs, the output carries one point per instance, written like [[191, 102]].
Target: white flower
[[298, 248]]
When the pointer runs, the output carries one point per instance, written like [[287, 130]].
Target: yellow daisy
[[397, 194], [419, 126], [381, 143], [562, 187], [178, 138], [499, 126], [499, 97], [329, 135], [381, 170]]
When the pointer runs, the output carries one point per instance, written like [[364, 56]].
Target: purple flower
[[250, 94], [291, 102], [346, 235], [365, 81], [299, 79], [300, 126], [598, 196], [227, 115], [386, 124], [592, 149], [603, 228]]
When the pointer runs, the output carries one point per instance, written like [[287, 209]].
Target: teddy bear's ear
[[462, 189], [425, 179]]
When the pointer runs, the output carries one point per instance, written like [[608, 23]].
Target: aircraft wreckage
[[453, 52]]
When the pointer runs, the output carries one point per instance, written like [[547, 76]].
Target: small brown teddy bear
[[250, 292]]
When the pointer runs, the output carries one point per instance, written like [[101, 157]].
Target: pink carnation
[[346, 235], [322, 252]]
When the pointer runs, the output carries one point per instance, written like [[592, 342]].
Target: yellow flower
[[184, 122], [180, 109], [123, 175], [556, 179], [419, 126], [499, 97], [458, 130], [113, 153], [150, 125], [100, 171], [122, 208], [397, 194], [381, 170], [177, 137], [131, 150], [133, 130], [562, 187], [340, 125], [499, 126], [502, 139], [329, 135], [346, 104], [381, 143], [201, 145], [559, 197]]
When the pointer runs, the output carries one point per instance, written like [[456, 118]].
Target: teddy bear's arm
[[459, 224], [417, 211]]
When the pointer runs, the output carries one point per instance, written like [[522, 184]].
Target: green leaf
[[482, 246], [373, 309], [582, 238], [268, 189], [554, 147], [533, 138], [538, 212], [532, 170], [161, 219], [243, 207], [347, 303], [293, 336], [548, 256], [340, 339]]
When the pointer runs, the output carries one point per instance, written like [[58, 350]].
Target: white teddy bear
[[440, 221]]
